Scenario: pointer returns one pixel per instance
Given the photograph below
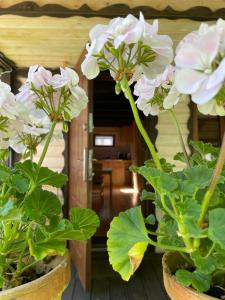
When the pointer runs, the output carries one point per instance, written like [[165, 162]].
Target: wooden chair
[[97, 187]]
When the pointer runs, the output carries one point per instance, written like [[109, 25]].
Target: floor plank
[[100, 289], [146, 284]]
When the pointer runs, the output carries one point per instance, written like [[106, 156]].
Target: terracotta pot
[[175, 290], [47, 287]]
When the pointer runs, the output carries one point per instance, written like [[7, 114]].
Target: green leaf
[[49, 177], [216, 230], [167, 233], [166, 166], [84, 222], [5, 173], [127, 242], [184, 277], [150, 219], [20, 183], [204, 148], [180, 157], [42, 176], [200, 175], [42, 204], [40, 250], [145, 195], [159, 180], [199, 281], [206, 265], [8, 211]]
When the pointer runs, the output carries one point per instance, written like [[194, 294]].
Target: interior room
[[115, 149]]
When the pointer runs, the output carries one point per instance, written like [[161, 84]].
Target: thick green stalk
[[173, 116], [216, 174], [142, 130], [168, 247], [45, 149]]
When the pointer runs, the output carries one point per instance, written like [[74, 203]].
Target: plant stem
[[142, 130], [210, 250], [174, 118], [168, 247], [186, 258], [45, 149], [217, 171]]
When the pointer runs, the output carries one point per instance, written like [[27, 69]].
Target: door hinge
[[90, 122]]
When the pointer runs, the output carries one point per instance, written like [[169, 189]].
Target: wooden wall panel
[[53, 41], [167, 141], [96, 5]]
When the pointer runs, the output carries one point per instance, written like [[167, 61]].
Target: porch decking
[[146, 284]]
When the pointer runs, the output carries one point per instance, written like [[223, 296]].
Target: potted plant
[[34, 261], [192, 227]]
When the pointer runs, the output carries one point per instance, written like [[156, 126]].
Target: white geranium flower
[[212, 108], [127, 35], [8, 105], [78, 101], [67, 77], [38, 76], [157, 94], [201, 64], [28, 130]]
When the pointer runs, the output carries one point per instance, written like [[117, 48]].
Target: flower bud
[[117, 88]]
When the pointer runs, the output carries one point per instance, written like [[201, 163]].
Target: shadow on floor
[[146, 284]]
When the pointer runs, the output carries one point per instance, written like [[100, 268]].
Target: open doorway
[[116, 146]]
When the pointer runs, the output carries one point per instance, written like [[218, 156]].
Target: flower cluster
[[26, 118], [200, 66], [131, 48], [127, 47], [155, 95]]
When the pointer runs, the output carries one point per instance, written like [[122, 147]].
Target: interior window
[[104, 140]]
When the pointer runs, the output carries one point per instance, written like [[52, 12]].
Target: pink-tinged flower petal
[[203, 95], [172, 98], [144, 88], [188, 81], [97, 31], [32, 70], [189, 57], [218, 76], [90, 67], [209, 44]]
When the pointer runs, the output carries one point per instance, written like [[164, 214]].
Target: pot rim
[[168, 272], [40, 280]]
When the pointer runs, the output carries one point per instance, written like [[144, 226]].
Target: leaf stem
[[141, 129], [210, 250], [174, 118], [168, 247], [217, 171]]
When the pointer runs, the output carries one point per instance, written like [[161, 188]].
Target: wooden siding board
[[39, 40]]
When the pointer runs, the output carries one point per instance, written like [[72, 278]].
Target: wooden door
[[80, 177]]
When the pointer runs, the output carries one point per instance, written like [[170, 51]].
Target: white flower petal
[[90, 67], [188, 81], [172, 98], [203, 94]]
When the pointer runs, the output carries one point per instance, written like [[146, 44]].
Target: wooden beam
[[195, 12]]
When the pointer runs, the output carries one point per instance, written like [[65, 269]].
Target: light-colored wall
[[53, 42], [56, 41], [167, 141]]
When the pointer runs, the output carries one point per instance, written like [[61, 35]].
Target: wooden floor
[[146, 284]]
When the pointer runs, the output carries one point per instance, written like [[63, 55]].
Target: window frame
[[104, 135]]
